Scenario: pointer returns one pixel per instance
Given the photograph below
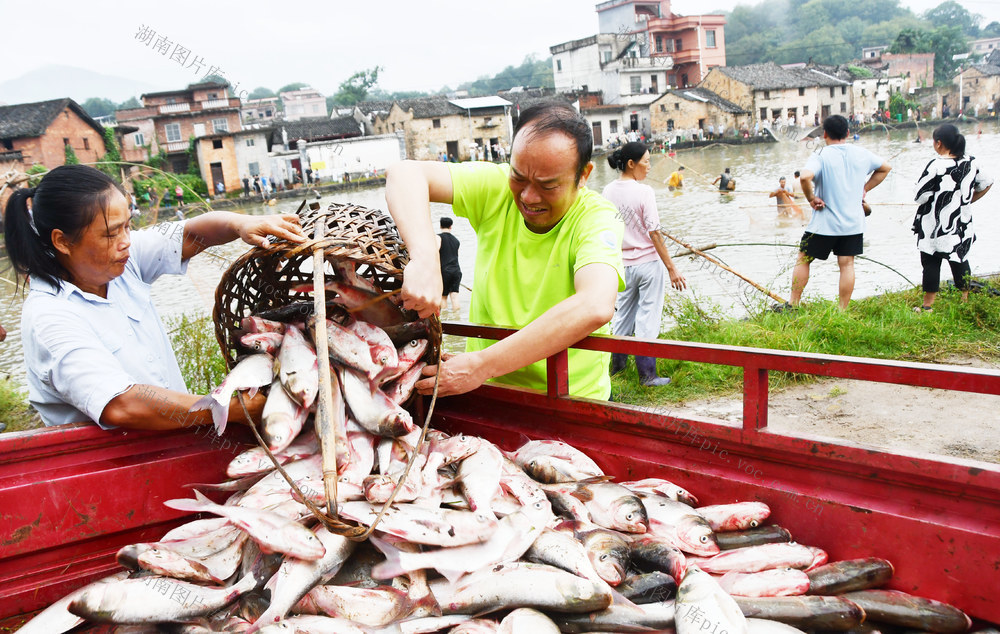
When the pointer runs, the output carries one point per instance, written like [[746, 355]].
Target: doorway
[[217, 176], [598, 138]]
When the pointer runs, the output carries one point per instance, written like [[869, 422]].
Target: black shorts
[[818, 246], [452, 280]]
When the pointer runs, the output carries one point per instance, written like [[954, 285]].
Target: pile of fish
[[478, 539]]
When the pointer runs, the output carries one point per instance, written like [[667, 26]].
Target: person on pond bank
[[725, 181], [639, 307], [451, 272], [548, 253], [246, 187], [842, 174], [94, 346], [676, 180], [945, 191]]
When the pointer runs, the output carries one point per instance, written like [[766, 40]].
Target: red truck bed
[[70, 497]]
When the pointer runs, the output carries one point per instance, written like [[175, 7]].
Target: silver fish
[[573, 459], [527, 620], [406, 357], [479, 477], [374, 607], [255, 460], [681, 524], [655, 617], [347, 349], [281, 419], [296, 367], [375, 412], [608, 504], [701, 600], [659, 486], [251, 373], [56, 618], [265, 342], [738, 516], [419, 525]]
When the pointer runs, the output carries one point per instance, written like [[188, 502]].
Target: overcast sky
[[421, 44]]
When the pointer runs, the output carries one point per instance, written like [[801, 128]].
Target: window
[[805, 110], [663, 107], [436, 123], [831, 91], [710, 39], [670, 124], [614, 126], [607, 56], [677, 46], [802, 92], [843, 106], [216, 144], [171, 101], [763, 114], [558, 65], [220, 125], [173, 132], [249, 142], [254, 169], [672, 80], [862, 92], [635, 83], [139, 140], [677, 105], [767, 94], [843, 90], [86, 143], [267, 113], [213, 95], [659, 43], [315, 107], [653, 84]]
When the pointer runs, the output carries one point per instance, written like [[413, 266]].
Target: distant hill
[[53, 82]]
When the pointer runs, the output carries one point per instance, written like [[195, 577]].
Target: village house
[[457, 127], [798, 96], [871, 86], [681, 110], [979, 88], [167, 121], [366, 111], [984, 46], [262, 112], [917, 68], [286, 157], [303, 103], [227, 157], [38, 133]]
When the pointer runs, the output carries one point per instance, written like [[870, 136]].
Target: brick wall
[[50, 148]]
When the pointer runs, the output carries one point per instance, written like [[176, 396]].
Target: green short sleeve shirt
[[520, 274]]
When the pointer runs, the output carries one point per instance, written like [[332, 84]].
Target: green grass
[[14, 409], [883, 327], [197, 350]]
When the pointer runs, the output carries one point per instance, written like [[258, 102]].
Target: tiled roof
[[426, 107], [33, 119], [317, 129], [369, 107], [705, 95], [770, 76], [987, 69], [993, 58]]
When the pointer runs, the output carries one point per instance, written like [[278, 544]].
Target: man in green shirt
[[548, 253]]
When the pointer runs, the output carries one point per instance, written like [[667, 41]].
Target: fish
[[777, 582], [380, 346], [564, 551], [419, 525], [406, 357], [651, 552], [479, 477], [348, 273], [311, 624], [700, 601], [272, 532], [681, 524], [648, 587], [659, 486], [853, 574], [57, 618], [374, 607], [553, 461], [476, 626], [349, 350], [514, 535], [262, 342], [527, 620], [180, 563], [250, 373], [401, 334], [766, 626], [609, 505], [772, 534], [905, 610], [757, 558], [650, 617], [254, 461], [281, 420], [296, 367], [375, 412], [607, 550], [363, 304], [256, 324], [734, 517], [154, 599], [296, 577], [520, 585], [401, 389], [806, 613]]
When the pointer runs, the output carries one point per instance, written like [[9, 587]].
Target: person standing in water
[[451, 272]]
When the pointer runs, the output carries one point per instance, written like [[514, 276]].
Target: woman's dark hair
[[951, 139], [557, 116], [68, 198], [631, 151]]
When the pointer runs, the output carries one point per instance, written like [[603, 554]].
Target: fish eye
[[604, 557], [630, 517], [703, 539], [754, 523]]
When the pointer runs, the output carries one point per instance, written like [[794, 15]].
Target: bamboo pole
[[707, 247], [324, 406], [724, 267]]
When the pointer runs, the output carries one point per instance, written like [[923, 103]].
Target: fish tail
[[220, 410], [392, 566], [197, 505]]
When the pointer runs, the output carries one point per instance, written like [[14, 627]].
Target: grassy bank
[[15, 412], [883, 327]]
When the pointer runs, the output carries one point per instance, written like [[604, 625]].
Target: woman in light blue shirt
[[94, 346]]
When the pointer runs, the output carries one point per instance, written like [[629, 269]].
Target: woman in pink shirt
[[640, 306]]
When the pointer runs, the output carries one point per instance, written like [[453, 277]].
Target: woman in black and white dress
[[943, 224]]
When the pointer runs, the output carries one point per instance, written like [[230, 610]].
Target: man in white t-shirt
[[842, 174]]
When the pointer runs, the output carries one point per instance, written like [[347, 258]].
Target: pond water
[[752, 239]]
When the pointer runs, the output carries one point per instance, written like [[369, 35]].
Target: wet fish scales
[[853, 574], [807, 613], [905, 610]]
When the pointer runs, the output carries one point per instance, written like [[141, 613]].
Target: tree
[[298, 85], [991, 30], [97, 107], [950, 13], [355, 88], [131, 102], [109, 162], [261, 92], [945, 42], [70, 156]]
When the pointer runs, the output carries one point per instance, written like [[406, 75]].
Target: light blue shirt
[[82, 350], [841, 171]]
